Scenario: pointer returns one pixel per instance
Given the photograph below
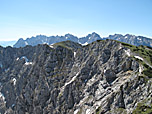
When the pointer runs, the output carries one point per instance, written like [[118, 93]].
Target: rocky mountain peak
[[118, 35], [21, 39], [69, 35], [104, 76], [95, 34], [40, 35], [92, 37]]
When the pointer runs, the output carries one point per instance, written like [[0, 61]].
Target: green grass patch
[[118, 111], [80, 111], [146, 53], [141, 51], [147, 70], [98, 110], [143, 108], [68, 44]]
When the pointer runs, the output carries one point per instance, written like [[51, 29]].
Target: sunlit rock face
[[68, 78]]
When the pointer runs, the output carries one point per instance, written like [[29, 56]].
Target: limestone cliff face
[[67, 78]]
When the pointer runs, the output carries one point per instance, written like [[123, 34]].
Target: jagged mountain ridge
[[42, 39], [65, 78], [132, 39]]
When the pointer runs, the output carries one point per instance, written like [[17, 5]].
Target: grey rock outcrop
[[67, 78]]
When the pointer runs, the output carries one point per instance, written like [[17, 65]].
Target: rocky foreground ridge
[[104, 77]]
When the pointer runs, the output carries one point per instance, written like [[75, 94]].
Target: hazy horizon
[[5, 40]]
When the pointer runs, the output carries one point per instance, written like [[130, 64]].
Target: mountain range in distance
[[7, 43], [42, 39]]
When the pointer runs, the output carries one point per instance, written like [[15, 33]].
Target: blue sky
[[26, 18]]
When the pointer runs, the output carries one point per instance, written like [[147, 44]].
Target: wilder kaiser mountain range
[[42, 39]]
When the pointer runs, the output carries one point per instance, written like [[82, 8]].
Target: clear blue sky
[[26, 18]]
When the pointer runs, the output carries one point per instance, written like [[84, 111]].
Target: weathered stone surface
[[67, 78]]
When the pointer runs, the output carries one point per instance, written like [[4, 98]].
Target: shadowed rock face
[[67, 78]]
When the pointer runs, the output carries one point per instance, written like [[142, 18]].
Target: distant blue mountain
[[131, 39], [7, 43], [42, 39]]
